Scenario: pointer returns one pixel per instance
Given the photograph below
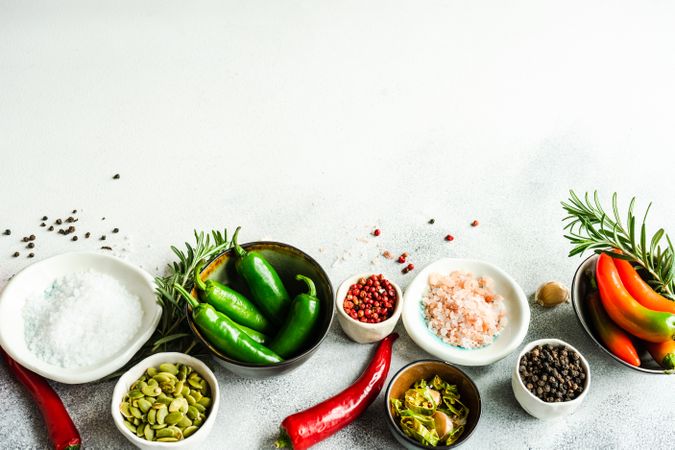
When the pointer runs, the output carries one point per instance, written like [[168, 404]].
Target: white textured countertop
[[313, 122]]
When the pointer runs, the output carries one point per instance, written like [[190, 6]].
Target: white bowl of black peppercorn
[[557, 381]]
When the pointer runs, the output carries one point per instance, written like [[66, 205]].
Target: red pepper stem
[[309, 283], [283, 441], [198, 277], [237, 248], [189, 298]]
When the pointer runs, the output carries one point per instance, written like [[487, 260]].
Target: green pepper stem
[[198, 277], [237, 248], [309, 283], [669, 361], [189, 298], [283, 441]]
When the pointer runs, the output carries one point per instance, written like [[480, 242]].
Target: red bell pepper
[[640, 289], [60, 426], [616, 340], [625, 311], [305, 428]]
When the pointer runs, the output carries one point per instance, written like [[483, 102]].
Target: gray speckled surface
[[312, 123]]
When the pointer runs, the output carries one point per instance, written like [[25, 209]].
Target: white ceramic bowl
[[37, 277], [517, 313], [133, 374], [365, 333], [539, 408]]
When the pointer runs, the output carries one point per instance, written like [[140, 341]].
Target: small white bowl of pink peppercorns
[[368, 307]]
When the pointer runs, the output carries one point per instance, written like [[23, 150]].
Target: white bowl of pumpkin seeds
[[166, 400]]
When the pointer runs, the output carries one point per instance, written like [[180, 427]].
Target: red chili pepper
[[640, 289], [663, 353], [625, 311], [305, 428], [616, 340], [60, 426]]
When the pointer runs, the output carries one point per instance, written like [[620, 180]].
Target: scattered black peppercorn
[[24, 239], [74, 211], [87, 234], [62, 231], [116, 230], [74, 238], [31, 245], [553, 373], [15, 254], [105, 247], [71, 229], [103, 237], [30, 255], [8, 232], [116, 176], [31, 237], [51, 228], [432, 221], [59, 221], [43, 224], [45, 218]]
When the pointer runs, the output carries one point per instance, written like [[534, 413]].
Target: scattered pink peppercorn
[[449, 238], [475, 223], [376, 232]]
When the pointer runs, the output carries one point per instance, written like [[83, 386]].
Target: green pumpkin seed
[[140, 430], [145, 405], [135, 412], [192, 412], [167, 439], [174, 417], [151, 371], [159, 426], [179, 388], [162, 398], [198, 421], [149, 433], [184, 422], [124, 409], [152, 391], [152, 416], [161, 414], [196, 395], [190, 399], [200, 408], [164, 432], [189, 431], [205, 402], [136, 394], [197, 384], [168, 367], [130, 426]]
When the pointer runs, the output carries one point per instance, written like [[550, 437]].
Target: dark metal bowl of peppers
[[626, 350], [264, 308]]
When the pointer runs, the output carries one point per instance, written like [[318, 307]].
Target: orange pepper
[[616, 340], [663, 353], [640, 289], [625, 311]]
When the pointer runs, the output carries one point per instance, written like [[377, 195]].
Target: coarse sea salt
[[81, 319]]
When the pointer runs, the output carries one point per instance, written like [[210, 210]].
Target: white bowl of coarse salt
[[77, 317], [465, 311]]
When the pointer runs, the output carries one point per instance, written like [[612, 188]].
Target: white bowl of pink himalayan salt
[[465, 312], [77, 317]]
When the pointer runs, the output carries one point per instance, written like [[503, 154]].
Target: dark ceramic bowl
[[288, 262], [581, 285], [427, 368]]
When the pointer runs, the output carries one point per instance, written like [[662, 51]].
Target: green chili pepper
[[257, 336], [303, 315], [231, 303], [267, 290], [224, 334]]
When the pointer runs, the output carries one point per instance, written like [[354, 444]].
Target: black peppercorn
[[8, 232], [552, 373]]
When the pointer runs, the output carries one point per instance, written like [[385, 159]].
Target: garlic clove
[[552, 293]]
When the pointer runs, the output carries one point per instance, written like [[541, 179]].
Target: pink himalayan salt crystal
[[463, 309]]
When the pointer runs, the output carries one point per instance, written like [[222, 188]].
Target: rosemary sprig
[[173, 332], [589, 227]]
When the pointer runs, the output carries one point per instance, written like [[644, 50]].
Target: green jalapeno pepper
[[267, 290], [257, 336], [231, 303], [224, 334], [303, 315]]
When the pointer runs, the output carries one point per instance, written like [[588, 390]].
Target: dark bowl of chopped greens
[[431, 404]]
